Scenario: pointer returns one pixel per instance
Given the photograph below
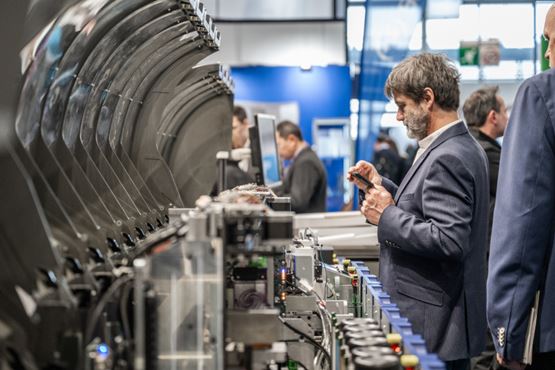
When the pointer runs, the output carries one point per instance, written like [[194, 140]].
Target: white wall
[[286, 44]]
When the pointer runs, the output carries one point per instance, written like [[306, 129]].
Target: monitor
[[265, 158]]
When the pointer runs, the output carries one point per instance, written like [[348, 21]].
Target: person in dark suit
[[522, 262], [305, 180], [432, 227], [486, 116]]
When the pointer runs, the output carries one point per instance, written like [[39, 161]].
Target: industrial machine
[[112, 258]]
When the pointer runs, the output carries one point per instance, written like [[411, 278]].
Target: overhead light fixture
[[306, 67]]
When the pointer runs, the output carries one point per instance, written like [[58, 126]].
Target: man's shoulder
[[307, 155], [308, 158], [541, 78], [537, 90], [544, 83], [461, 148], [463, 140], [489, 145]]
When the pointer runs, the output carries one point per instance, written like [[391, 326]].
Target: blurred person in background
[[387, 160], [486, 116], [240, 135], [305, 180], [236, 171]]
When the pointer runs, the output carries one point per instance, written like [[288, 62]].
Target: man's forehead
[[400, 98], [549, 26]]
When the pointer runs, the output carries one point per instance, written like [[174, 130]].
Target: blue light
[[102, 349]]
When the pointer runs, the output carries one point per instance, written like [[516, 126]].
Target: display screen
[[268, 149]]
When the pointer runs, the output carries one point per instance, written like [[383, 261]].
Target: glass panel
[[493, 23], [188, 282], [391, 27], [485, 22], [355, 32], [275, 10]]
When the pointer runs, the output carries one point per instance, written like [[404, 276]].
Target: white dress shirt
[[428, 140]]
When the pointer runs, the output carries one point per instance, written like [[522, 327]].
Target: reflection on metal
[[110, 118], [184, 356]]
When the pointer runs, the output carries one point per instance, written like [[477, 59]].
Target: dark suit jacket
[[306, 183], [521, 257], [389, 164], [493, 152], [432, 255]]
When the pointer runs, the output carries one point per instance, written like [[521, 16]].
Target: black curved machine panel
[[109, 122]]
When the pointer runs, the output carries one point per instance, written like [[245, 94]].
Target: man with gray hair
[[432, 227]]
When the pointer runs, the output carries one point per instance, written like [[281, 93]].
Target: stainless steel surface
[[268, 327], [347, 232]]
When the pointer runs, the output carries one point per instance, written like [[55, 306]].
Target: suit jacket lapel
[[458, 129], [411, 173]]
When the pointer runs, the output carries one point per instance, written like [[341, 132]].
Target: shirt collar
[[428, 140], [300, 149]]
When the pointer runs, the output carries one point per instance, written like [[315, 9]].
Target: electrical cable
[[97, 312], [325, 317], [124, 314], [293, 286], [318, 358], [326, 324], [123, 311], [310, 291], [309, 339]]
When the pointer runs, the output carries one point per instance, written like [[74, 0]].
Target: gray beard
[[417, 133], [417, 127]]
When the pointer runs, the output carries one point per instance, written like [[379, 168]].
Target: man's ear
[[429, 98], [492, 117]]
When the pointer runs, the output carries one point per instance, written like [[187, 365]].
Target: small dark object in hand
[[365, 181]]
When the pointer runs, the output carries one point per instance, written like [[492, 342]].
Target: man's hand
[[367, 170], [513, 365], [376, 201]]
